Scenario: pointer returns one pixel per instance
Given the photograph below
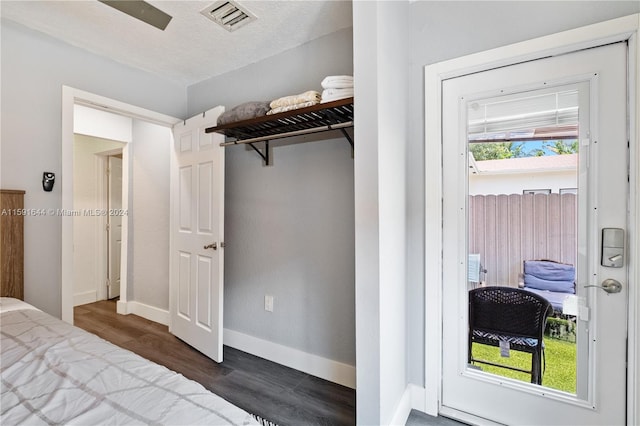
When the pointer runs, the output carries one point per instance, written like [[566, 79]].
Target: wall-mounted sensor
[[48, 179]]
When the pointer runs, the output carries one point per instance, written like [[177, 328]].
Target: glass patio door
[[535, 196]]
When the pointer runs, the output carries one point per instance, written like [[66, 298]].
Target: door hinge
[[108, 227]]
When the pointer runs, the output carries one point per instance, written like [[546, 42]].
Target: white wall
[[381, 57], [149, 215], [101, 124], [33, 70], [86, 167], [515, 183]]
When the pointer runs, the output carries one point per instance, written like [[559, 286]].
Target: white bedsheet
[[10, 304], [55, 373]]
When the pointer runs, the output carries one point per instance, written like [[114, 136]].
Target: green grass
[[560, 356]]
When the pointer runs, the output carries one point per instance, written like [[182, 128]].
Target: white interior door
[[197, 234], [114, 226], [596, 78]]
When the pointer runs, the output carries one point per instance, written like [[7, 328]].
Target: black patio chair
[[512, 315]]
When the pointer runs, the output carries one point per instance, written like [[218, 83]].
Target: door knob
[[609, 285], [211, 246]]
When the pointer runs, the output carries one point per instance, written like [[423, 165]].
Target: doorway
[[114, 216], [552, 47], [581, 97], [71, 98], [94, 190]]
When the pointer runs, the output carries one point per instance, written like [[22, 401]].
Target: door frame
[[107, 221], [102, 248], [70, 97], [621, 29]]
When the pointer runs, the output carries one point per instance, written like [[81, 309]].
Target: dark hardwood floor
[[274, 392]]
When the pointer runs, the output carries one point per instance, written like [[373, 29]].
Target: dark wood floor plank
[[259, 367], [327, 398], [190, 364], [272, 391]]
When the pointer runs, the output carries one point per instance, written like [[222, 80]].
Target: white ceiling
[[192, 48]]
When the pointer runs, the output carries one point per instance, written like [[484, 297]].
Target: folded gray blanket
[[245, 111]]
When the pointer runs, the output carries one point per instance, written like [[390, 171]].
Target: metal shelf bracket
[[265, 154], [348, 137]]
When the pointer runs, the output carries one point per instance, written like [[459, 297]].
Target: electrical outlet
[[268, 303]]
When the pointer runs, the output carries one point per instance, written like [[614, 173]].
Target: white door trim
[[71, 96], [622, 29], [102, 159]]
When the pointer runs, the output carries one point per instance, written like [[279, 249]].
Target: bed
[[55, 373]]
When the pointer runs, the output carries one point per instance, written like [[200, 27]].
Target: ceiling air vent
[[228, 14]]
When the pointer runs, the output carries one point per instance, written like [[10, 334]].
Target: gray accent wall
[[289, 227], [290, 72], [34, 69]]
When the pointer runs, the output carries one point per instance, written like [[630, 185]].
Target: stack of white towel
[[337, 87]]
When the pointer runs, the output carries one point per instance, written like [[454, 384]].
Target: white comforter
[[55, 373]]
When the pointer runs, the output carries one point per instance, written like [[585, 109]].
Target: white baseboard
[[403, 409], [418, 398], [333, 371], [430, 401], [413, 398], [84, 297], [121, 308], [145, 311]]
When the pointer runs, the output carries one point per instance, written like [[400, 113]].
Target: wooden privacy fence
[[507, 229]]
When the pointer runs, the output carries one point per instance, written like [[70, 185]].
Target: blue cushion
[[531, 281], [551, 271]]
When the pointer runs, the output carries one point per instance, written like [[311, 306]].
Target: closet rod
[[293, 133]]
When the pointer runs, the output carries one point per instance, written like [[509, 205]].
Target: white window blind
[[522, 113]]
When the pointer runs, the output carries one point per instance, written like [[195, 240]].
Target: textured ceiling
[[192, 48]]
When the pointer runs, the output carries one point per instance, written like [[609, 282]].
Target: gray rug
[[263, 422]]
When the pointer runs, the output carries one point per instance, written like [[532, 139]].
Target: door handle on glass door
[[212, 245], [609, 285]]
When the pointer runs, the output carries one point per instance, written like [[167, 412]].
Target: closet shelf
[[336, 115]]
